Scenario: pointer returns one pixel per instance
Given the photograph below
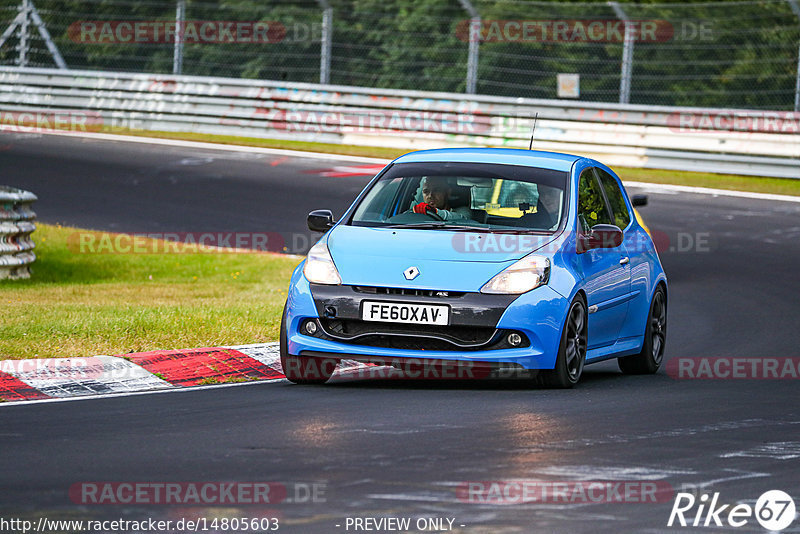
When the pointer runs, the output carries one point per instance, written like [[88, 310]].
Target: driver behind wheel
[[436, 194]]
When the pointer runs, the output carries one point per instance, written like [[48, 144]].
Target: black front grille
[[408, 343], [461, 335], [414, 336], [466, 308], [409, 292]]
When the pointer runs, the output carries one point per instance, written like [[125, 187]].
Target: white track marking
[[266, 353], [681, 432], [781, 450], [737, 474], [588, 472], [215, 146], [668, 188]]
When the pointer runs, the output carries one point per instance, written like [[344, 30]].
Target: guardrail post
[[16, 226], [327, 42], [472, 57], [180, 23], [796, 9], [627, 55]]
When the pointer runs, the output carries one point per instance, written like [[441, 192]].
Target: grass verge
[[734, 182], [80, 304]]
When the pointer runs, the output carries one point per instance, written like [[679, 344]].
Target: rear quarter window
[[591, 204], [616, 200]]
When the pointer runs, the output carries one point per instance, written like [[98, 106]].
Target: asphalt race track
[[399, 448]]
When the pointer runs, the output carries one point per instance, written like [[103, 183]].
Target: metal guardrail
[[16, 226], [695, 139]]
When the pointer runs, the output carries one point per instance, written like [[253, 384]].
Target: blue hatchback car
[[484, 259]]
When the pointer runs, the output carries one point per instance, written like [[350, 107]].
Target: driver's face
[[436, 193], [550, 197]]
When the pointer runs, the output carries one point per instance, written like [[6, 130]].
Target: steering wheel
[[433, 215]]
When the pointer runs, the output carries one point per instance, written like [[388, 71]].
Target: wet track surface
[[402, 448]]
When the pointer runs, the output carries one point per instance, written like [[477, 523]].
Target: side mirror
[[602, 236], [320, 220], [639, 200]]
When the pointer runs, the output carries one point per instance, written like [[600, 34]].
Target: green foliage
[[82, 303], [591, 206], [741, 55]]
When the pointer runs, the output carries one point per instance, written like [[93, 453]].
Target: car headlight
[[319, 267], [528, 273]]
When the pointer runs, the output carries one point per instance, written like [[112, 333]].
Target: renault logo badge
[[411, 273]]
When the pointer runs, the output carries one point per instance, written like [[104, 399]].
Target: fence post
[[327, 42], [25, 8], [48, 40], [180, 23], [796, 9], [627, 55], [26, 14], [472, 57]]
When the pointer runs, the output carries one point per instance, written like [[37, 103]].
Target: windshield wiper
[[439, 225], [442, 225], [416, 225], [465, 228]]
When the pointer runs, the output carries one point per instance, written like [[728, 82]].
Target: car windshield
[[465, 196]]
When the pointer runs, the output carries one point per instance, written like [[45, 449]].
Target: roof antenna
[[533, 130]]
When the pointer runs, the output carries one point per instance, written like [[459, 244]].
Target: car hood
[[453, 261]]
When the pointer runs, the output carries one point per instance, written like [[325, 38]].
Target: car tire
[[572, 349], [655, 336], [303, 369]]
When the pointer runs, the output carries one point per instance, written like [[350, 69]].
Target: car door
[[634, 238], [606, 271]]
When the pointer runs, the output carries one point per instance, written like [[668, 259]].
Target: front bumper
[[472, 325], [478, 329]]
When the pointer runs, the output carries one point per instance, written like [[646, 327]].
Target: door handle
[[624, 260]]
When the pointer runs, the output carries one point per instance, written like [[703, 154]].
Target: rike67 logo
[[774, 510]]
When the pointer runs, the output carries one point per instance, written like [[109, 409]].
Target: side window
[[591, 205], [622, 217]]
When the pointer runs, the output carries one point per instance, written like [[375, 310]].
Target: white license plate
[[397, 312]]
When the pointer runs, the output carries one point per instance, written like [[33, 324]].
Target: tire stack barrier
[[16, 225]]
